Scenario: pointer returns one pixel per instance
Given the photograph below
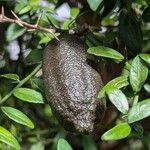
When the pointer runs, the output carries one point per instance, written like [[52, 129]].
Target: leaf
[[126, 69], [138, 74], [94, 4], [145, 15], [34, 56], [8, 138], [67, 24], [17, 116], [34, 3], [37, 83], [139, 111], [63, 145], [118, 98], [88, 143], [106, 52], [120, 131], [148, 2], [118, 83], [130, 31], [147, 88], [14, 31], [44, 40], [11, 76], [74, 12], [108, 6], [28, 95], [25, 9], [145, 57], [37, 146], [20, 6]]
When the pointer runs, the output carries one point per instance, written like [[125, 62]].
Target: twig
[[21, 83], [18, 21]]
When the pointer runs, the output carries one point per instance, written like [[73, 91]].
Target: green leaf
[[67, 24], [8, 138], [88, 143], [11, 76], [120, 131], [28, 95], [138, 74], [147, 87], [94, 4], [108, 7], [17, 116], [34, 56], [105, 52], [118, 98], [74, 12], [139, 111], [25, 9], [20, 6], [148, 2], [146, 14], [37, 83], [130, 31], [118, 83], [34, 3], [44, 40], [126, 69], [145, 57], [14, 31], [63, 145], [37, 146]]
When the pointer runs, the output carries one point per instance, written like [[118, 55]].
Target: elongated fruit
[[72, 86]]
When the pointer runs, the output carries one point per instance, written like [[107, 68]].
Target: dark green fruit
[[72, 86]]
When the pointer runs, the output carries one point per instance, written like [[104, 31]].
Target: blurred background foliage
[[119, 24]]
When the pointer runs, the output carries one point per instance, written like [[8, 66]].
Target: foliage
[[117, 35]]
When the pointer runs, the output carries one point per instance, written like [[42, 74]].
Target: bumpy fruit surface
[[72, 86]]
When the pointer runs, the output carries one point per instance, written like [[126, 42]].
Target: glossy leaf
[[138, 74], [145, 57], [147, 87], [10, 76], [63, 145], [130, 32], [118, 98], [8, 138], [139, 111], [120, 131], [118, 82], [106, 52], [14, 31], [28, 95], [17, 116], [94, 4]]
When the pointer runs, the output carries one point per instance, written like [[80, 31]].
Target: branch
[[18, 21], [21, 83]]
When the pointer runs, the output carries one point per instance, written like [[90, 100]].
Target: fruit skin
[[72, 86]]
